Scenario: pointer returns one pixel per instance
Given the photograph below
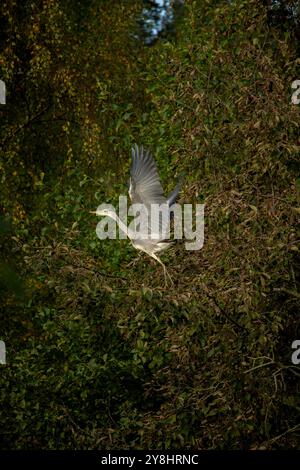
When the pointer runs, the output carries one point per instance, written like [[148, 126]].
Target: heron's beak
[[93, 212]]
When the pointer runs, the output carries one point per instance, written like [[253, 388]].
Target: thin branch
[[225, 314], [287, 291], [25, 124]]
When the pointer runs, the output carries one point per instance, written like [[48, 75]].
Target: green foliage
[[99, 354]]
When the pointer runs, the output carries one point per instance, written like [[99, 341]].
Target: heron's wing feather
[[171, 199], [145, 186]]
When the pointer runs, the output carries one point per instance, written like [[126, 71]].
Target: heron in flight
[[145, 189]]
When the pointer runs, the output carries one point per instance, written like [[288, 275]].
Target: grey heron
[[145, 189]]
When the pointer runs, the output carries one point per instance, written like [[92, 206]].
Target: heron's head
[[103, 211]]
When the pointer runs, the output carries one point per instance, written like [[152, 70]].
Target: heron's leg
[[166, 273], [167, 276]]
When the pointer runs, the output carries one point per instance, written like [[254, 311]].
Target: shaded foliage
[[99, 354]]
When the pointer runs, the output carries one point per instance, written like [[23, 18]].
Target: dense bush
[[99, 354]]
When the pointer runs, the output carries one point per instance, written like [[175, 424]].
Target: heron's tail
[[163, 245]]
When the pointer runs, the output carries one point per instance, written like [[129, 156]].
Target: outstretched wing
[[145, 187]]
